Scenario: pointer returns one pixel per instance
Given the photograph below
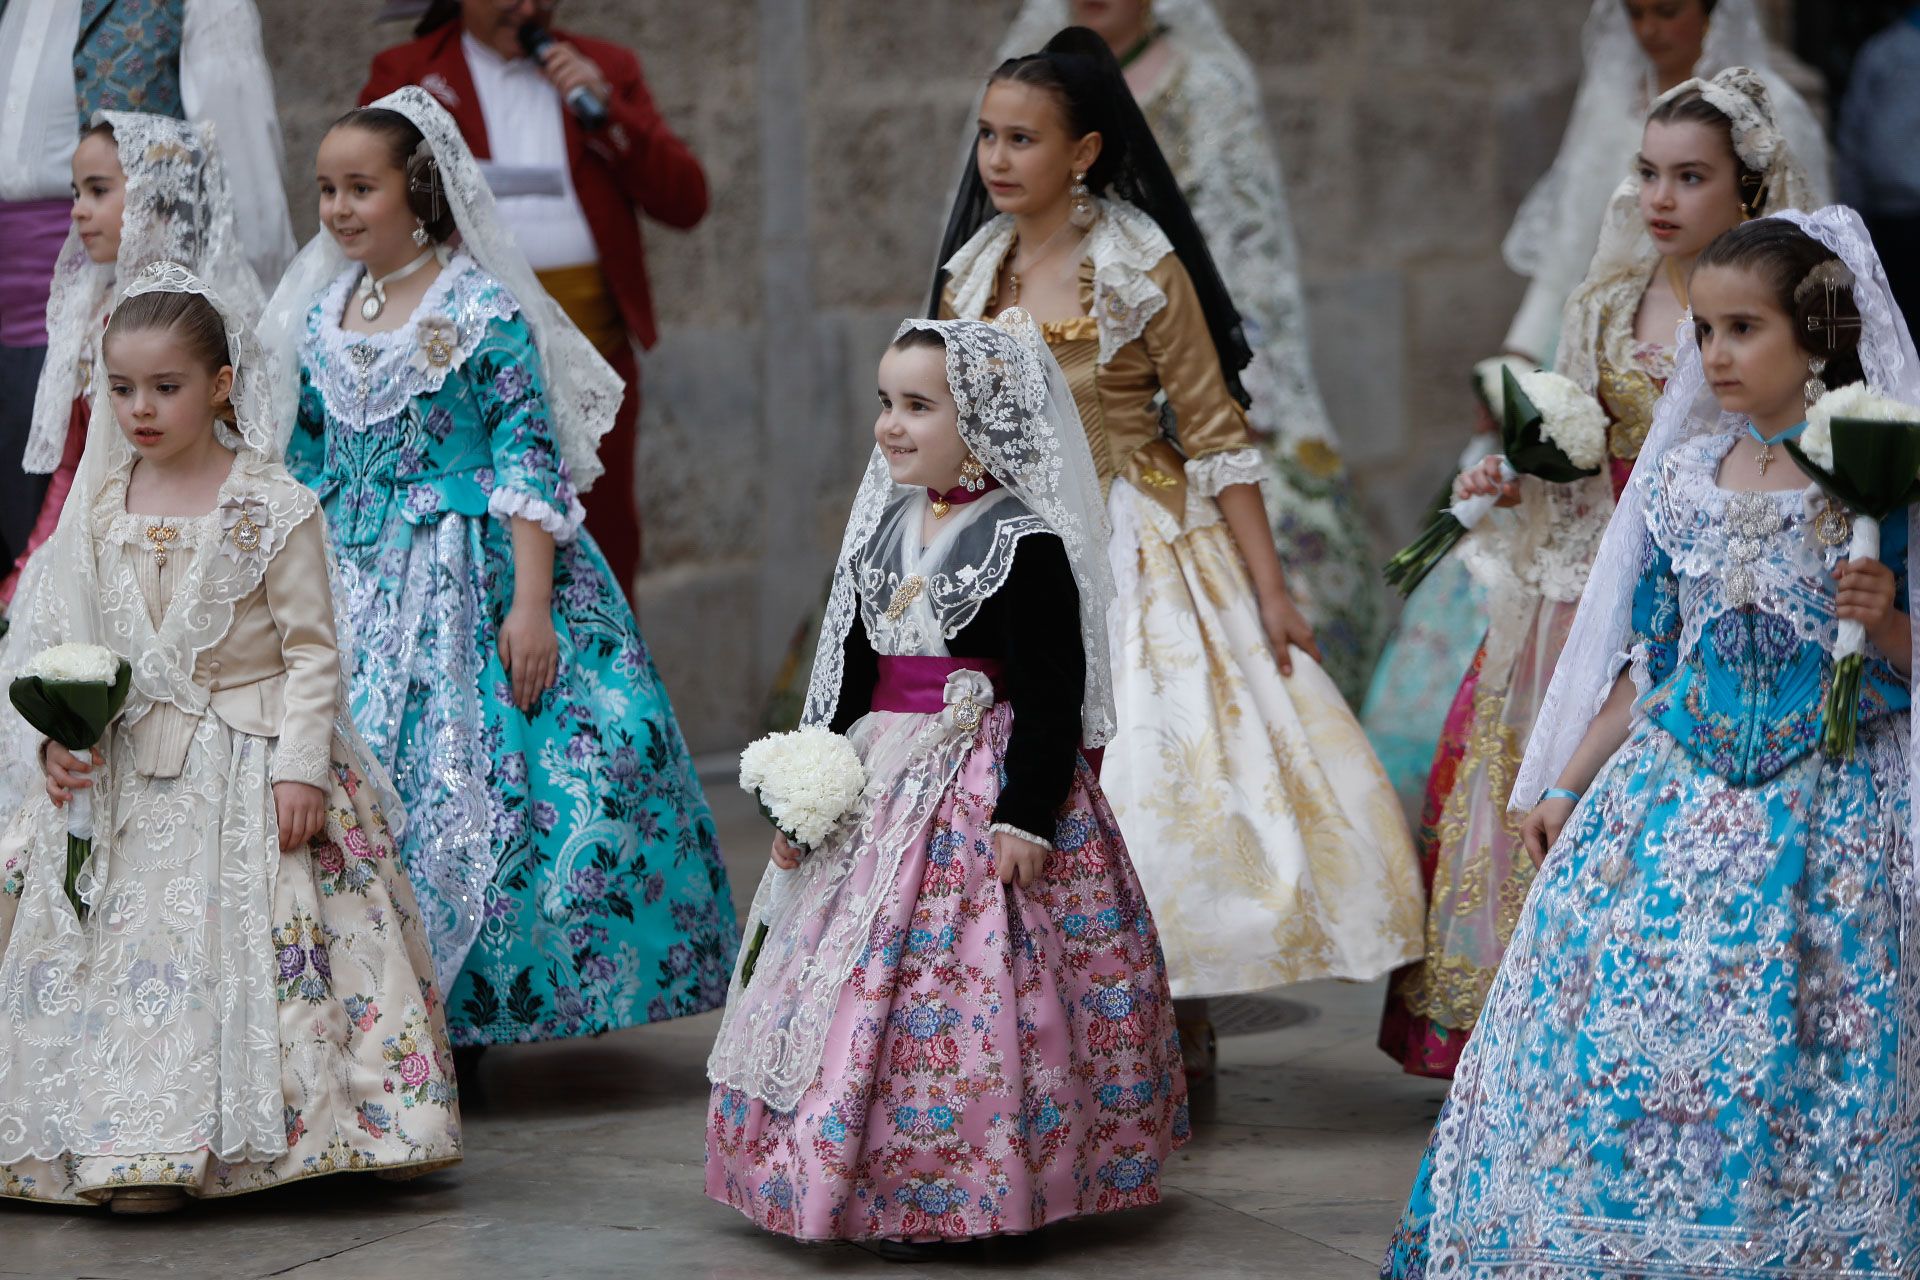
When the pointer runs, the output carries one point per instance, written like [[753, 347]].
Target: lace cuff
[[1637, 662], [1209, 474], [1008, 828], [507, 504], [308, 762]]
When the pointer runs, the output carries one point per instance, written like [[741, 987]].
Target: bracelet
[[1560, 793], [1008, 828]]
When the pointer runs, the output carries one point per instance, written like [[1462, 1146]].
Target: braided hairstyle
[[1084, 77], [1809, 282]]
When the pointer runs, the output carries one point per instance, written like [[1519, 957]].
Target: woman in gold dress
[[1268, 839]]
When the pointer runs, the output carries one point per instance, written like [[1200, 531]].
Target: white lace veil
[[1553, 235], [178, 208], [1585, 673], [583, 392], [1017, 416], [62, 598], [1626, 257]]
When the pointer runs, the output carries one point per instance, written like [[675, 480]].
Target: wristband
[[1560, 793]]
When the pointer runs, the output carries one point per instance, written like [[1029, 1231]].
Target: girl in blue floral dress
[[1700, 1055], [564, 854]]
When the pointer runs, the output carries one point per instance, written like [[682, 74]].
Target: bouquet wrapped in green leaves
[[1549, 428], [1863, 450], [70, 693]]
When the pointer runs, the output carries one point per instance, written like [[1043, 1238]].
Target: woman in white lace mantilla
[[1710, 158], [1201, 95], [246, 997], [1270, 842], [1698, 1057], [147, 189], [959, 1024]]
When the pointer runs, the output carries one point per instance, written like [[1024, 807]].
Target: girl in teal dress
[[1699, 1057], [564, 854]]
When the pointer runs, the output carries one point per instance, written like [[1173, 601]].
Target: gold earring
[[973, 474], [1082, 211]]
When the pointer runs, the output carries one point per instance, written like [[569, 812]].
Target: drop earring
[[1815, 388], [973, 474], [1082, 211], [420, 236]]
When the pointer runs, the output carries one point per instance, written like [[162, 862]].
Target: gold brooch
[[904, 595], [1833, 526], [245, 533], [159, 535], [1155, 478]]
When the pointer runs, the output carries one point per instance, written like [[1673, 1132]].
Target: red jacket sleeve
[[384, 76], [655, 169]]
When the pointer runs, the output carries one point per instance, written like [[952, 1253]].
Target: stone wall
[[832, 131]]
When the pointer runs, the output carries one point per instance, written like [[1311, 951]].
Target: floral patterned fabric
[[1001, 1058], [1413, 687], [565, 858], [1698, 1058]]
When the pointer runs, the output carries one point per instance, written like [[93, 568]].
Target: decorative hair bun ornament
[[1823, 321]]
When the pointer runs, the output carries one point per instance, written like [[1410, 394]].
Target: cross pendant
[[1766, 458]]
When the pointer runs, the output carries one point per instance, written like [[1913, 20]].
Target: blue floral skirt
[[1701, 1054], [565, 859]]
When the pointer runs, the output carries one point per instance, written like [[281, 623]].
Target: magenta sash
[[919, 683]]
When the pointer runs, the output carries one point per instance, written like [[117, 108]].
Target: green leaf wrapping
[[1527, 447], [72, 713], [1876, 465]]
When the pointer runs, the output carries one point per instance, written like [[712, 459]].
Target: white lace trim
[[1124, 245], [367, 378], [1209, 474], [509, 504], [1008, 828], [308, 762]]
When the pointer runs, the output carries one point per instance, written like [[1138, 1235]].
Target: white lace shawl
[[583, 393], [1589, 661], [1123, 244], [178, 207]]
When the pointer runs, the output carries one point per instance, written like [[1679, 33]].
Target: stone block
[[1423, 159], [700, 439], [1485, 40], [881, 180], [1314, 138], [854, 50], [1292, 32], [1359, 359], [1528, 126], [699, 625]]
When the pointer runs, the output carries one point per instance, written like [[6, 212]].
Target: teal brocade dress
[[565, 859], [1701, 1056]]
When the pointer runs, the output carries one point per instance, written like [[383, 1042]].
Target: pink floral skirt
[[1001, 1058]]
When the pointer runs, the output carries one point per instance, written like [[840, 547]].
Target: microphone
[[583, 102]]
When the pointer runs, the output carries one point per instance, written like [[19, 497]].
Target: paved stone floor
[[587, 1164]]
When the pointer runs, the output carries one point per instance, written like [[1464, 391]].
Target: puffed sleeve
[[302, 609], [857, 677], [1046, 677], [1653, 645], [1209, 423], [531, 480]]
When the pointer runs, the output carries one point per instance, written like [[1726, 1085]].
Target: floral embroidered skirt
[[1000, 1058], [1271, 845], [1413, 690], [227, 1018], [565, 858], [1480, 872], [1700, 1055]]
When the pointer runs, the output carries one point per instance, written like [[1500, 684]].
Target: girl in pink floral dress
[[959, 1023]]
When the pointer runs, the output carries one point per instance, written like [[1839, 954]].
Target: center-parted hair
[[1692, 107], [426, 196], [1786, 258]]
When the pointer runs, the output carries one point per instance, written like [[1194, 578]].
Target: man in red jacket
[[571, 194]]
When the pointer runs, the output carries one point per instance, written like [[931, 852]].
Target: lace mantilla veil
[[1585, 674], [583, 392], [1553, 235], [62, 598], [1017, 417], [178, 208]]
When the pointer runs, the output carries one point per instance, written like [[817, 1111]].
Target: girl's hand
[[531, 653], [1484, 477], [1286, 628], [1542, 827], [784, 854], [1017, 860], [67, 772], [301, 809], [1865, 595]]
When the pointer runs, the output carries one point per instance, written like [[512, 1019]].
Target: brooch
[[1833, 526], [245, 522], [903, 596], [438, 339]]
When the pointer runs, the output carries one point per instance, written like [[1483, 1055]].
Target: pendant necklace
[[1765, 456], [1014, 268], [373, 293]]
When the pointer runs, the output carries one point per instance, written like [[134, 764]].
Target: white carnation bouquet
[[70, 693], [806, 782], [1863, 450], [1549, 428]]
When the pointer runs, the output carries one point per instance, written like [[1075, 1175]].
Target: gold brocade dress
[[1269, 842]]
